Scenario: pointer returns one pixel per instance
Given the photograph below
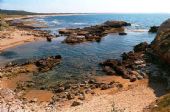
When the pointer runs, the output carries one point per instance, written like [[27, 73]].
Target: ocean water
[[83, 59]]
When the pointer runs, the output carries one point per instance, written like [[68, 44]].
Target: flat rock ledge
[[93, 33], [41, 65]]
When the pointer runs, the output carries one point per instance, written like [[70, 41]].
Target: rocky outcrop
[[161, 44], [141, 47], [93, 33], [132, 66], [153, 29]]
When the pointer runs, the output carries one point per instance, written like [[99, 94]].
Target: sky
[[88, 6]]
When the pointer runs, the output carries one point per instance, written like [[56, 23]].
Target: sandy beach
[[16, 37], [22, 32]]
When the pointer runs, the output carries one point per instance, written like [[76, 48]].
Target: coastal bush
[[3, 24], [163, 104]]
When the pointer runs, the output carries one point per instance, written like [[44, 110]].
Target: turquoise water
[[83, 59]]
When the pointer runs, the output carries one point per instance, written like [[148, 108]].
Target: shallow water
[[84, 58]]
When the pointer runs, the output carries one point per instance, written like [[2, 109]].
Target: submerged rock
[[48, 63]]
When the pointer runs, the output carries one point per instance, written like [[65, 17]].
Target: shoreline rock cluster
[[132, 66], [42, 65], [79, 91], [93, 33]]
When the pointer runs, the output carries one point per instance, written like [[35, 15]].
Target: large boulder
[[161, 44]]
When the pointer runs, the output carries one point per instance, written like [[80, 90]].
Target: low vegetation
[[162, 105], [3, 24]]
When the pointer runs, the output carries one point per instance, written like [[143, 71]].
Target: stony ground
[[133, 100]]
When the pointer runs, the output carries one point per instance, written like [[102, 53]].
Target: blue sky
[[99, 6]]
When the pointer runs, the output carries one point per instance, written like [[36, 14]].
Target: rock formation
[[154, 29], [93, 33], [161, 44]]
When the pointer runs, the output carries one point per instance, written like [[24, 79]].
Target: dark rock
[[141, 47], [122, 71], [49, 39], [116, 24], [108, 70], [59, 90], [105, 86], [75, 103], [161, 44], [122, 33], [70, 96], [93, 33], [133, 78], [154, 29], [48, 63]]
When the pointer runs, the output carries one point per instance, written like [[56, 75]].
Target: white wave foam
[[56, 22], [135, 24], [137, 30], [79, 23]]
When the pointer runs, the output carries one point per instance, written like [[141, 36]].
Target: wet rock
[[141, 47], [122, 33], [49, 39], [153, 29]]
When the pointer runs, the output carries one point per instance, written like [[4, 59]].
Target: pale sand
[[14, 37]]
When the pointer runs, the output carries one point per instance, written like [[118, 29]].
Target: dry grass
[[3, 24]]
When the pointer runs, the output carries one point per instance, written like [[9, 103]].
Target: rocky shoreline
[[135, 66]]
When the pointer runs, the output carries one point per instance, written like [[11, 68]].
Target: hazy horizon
[[88, 6]]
